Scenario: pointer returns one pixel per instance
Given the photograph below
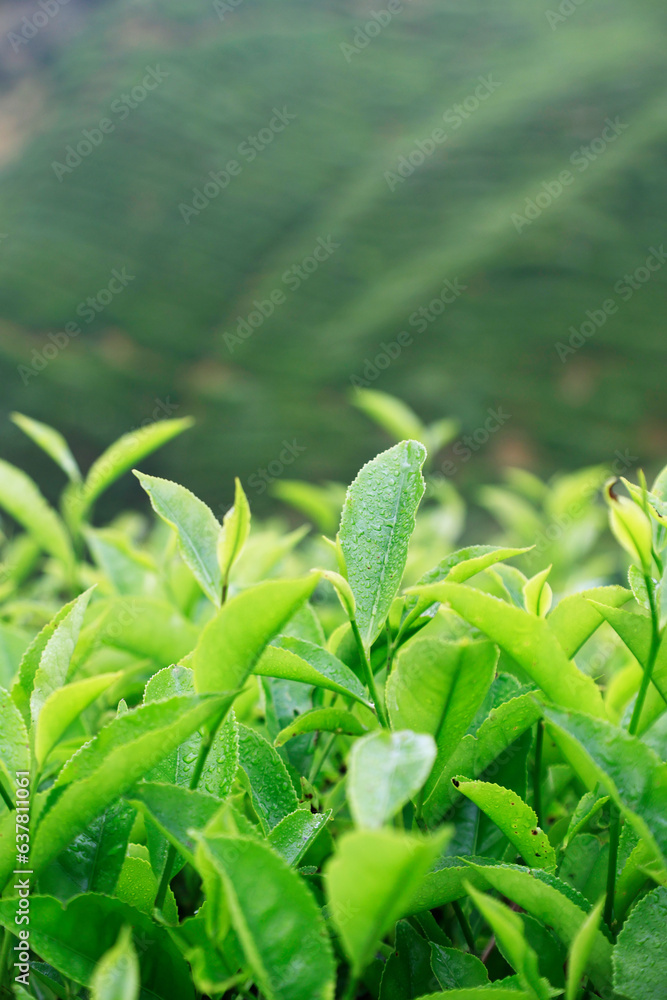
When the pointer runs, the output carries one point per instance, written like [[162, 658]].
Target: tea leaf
[[377, 521], [74, 938], [51, 441], [272, 792], [116, 460], [300, 660], [62, 708], [117, 972], [640, 959], [386, 770], [516, 819], [527, 639], [370, 882], [437, 687], [235, 530], [112, 762], [196, 527], [54, 662], [294, 834], [328, 720], [281, 929], [233, 641], [631, 772], [21, 498]]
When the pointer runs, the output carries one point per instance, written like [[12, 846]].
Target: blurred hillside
[[410, 144]]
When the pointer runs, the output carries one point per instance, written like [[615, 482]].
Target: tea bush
[[253, 764]]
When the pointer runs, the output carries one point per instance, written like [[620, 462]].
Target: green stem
[[351, 991], [206, 742], [4, 960], [317, 764], [370, 679], [652, 656], [537, 772], [614, 837], [464, 925]]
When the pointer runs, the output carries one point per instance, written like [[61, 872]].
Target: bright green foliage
[[116, 975], [281, 929], [370, 883], [640, 959], [196, 528], [252, 777], [386, 770], [377, 521], [437, 687], [516, 819]]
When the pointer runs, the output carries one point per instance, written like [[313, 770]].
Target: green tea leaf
[[295, 833], [148, 628], [580, 950], [386, 770], [116, 975], [573, 620], [465, 563], [390, 413], [407, 971], [632, 774], [370, 883], [281, 929], [138, 885], [271, 790], [54, 662], [120, 754], [62, 707], [640, 958], [528, 640], [175, 810], [232, 642], [118, 459], [51, 441], [547, 899], [514, 817], [436, 687], [509, 930], [74, 938], [235, 530], [196, 527], [475, 754], [454, 968], [20, 497], [300, 660], [376, 524], [14, 743], [328, 720]]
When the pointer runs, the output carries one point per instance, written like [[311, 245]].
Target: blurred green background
[[517, 92]]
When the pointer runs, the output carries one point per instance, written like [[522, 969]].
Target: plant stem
[[317, 764], [351, 991], [370, 679], [614, 836], [206, 742], [537, 772], [650, 663], [464, 925]]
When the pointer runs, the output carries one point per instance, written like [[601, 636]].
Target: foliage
[[238, 768]]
